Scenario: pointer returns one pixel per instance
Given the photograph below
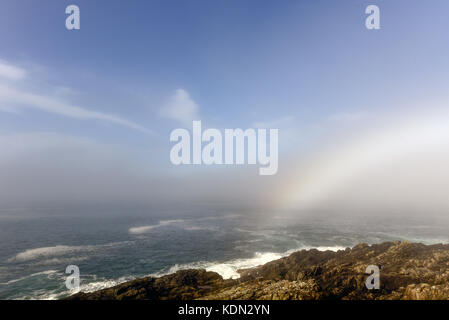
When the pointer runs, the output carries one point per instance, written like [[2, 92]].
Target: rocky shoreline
[[408, 271]]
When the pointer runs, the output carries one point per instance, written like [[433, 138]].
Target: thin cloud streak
[[11, 72], [56, 106], [12, 99]]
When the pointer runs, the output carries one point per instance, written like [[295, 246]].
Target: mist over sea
[[112, 246]]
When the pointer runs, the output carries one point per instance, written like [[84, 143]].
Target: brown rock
[[407, 271]]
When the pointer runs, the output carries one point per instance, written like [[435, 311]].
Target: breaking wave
[[47, 272], [228, 270], [148, 228], [145, 229], [57, 251]]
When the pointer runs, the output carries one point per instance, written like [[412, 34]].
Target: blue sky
[[309, 68], [240, 61]]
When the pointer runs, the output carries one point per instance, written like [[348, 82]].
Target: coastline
[[407, 271]]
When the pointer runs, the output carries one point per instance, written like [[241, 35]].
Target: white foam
[[60, 261], [334, 248], [99, 285], [41, 295], [31, 254], [58, 250], [145, 229], [228, 270], [148, 228], [47, 272], [142, 229]]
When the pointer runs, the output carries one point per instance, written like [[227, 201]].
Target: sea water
[[111, 246]]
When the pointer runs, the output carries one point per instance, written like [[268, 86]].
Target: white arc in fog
[[336, 169]]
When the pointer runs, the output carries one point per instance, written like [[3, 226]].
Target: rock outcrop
[[182, 285], [410, 271]]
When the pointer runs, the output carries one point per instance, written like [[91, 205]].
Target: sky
[[86, 115]]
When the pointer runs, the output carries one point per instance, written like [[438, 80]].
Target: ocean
[[113, 246]]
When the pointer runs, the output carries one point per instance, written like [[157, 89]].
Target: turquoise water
[[111, 246]]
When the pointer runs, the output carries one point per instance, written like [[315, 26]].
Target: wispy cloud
[[181, 108], [8, 109], [13, 98], [11, 72], [57, 106]]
